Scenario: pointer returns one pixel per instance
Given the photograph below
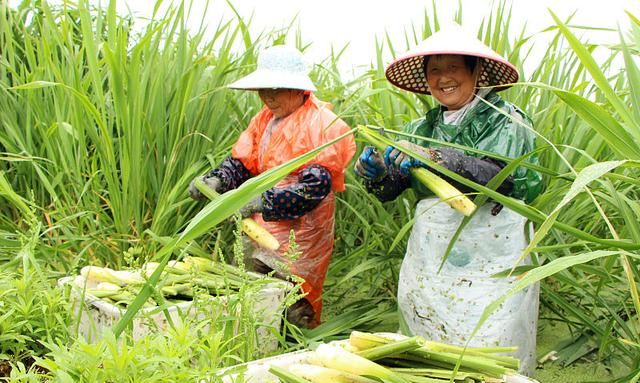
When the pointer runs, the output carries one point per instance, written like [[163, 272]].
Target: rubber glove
[[212, 182], [254, 206], [370, 165], [395, 158]]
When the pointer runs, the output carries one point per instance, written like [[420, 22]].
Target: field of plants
[[104, 124]]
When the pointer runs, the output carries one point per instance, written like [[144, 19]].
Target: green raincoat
[[484, 128]]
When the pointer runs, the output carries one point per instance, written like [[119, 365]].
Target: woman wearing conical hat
[[292, 122], [464, 76]]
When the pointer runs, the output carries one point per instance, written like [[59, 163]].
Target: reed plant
[[105, 127]]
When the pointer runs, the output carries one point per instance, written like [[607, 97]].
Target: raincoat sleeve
[[295, 200], [231, 172], [478, 170], [512, 139]]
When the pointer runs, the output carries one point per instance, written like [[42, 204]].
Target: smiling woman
[[441, 295], [452, 79]]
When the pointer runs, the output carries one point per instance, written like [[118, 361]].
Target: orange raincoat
[[308, 127]]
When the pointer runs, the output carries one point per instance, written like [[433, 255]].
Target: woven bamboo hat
[[408, 71], [278, 67]]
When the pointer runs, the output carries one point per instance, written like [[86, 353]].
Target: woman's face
[[450, 81], [282, 102]]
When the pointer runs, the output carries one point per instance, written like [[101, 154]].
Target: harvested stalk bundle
[[178, 282], [474, 359], [376, 357], [335, 357]]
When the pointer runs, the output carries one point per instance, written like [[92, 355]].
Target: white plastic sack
[[447, 306]]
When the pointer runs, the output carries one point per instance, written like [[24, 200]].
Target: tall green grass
[[104, 128]]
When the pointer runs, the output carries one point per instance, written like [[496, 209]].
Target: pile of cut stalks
[[380, 357], [179, 282]]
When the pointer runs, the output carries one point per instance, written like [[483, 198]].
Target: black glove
[[213, 182], [478, 170], [254, 206]]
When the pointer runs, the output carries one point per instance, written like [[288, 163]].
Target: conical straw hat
[[408, 71]]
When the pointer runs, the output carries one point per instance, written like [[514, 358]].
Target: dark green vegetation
[[104, 127]]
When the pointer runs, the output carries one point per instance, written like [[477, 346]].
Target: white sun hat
[[280, 66], [408, 71]]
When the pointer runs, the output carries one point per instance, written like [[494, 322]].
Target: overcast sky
[[335, 23]]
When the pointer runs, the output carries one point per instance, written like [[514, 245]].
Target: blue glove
[[395, 158], [409, 163], [370, 165]]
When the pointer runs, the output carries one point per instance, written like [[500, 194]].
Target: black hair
[[469, 61]]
